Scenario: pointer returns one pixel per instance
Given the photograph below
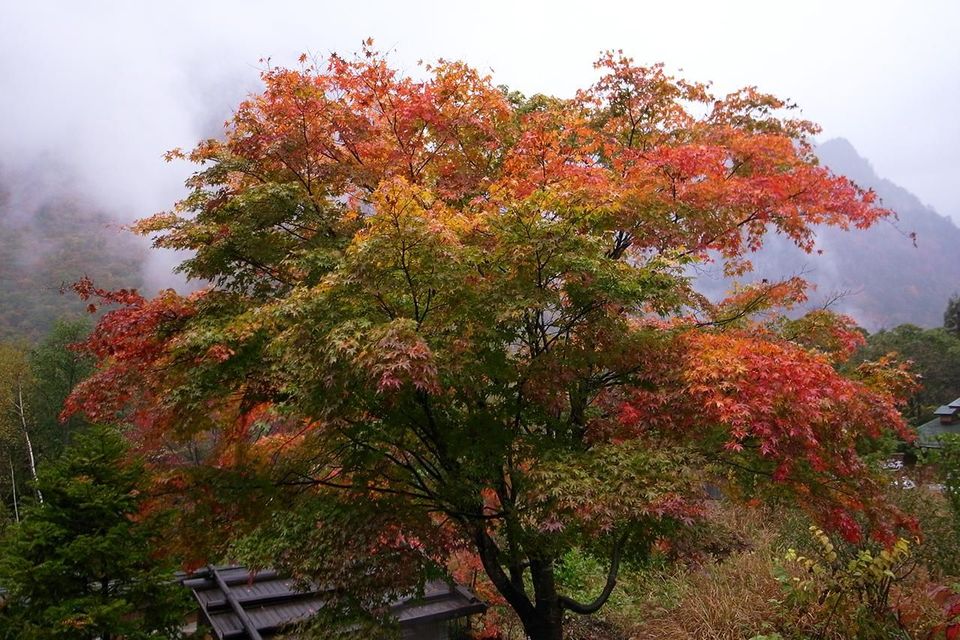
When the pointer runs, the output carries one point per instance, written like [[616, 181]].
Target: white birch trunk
[[26, 436], [13, 483]]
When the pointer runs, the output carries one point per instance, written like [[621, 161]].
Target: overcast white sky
[[100, 89]]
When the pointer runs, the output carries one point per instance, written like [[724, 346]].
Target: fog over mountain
[[95, 92], [51, 236], [52, 233], [899, 271]]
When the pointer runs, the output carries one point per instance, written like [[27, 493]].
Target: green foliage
[[314, 537], [78, 567], [14, 379], [938, 548], [34, 382], [935, 355], [582, 574], [948, 462], [845, 591], [46, 247], [951, 315], [55, 370]]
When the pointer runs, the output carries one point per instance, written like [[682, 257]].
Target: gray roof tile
[[929, 434], [271, 603]]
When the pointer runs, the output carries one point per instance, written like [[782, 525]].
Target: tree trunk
[[542, 619], [13, 484], [544, 629], [26, 435], [547, 624]]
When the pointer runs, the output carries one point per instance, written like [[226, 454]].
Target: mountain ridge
[[899, 271]]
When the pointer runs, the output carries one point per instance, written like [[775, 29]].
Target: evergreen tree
[[55, 370], [951, 317], [79, 565]]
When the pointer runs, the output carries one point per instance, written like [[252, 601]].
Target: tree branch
[[490, 557], [586, 609]]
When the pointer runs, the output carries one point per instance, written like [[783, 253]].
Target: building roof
[[946, 410], [241, 605], [928, 434], [955, 404]]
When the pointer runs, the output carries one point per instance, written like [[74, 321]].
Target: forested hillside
[[48, 241]]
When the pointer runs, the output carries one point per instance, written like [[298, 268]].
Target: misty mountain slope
[[51, 243], [886, 278], [48, 239]]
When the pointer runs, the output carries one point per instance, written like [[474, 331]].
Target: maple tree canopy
[[449, 323]]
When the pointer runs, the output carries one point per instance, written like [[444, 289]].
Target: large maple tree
[[450, 320]]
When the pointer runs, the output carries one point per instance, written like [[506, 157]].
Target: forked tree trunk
[[542, 618]]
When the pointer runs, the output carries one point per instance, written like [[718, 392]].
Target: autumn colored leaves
[[476, 305]]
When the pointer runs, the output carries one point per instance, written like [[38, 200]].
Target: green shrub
[[842, 591]]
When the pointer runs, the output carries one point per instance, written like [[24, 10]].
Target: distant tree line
[[934, 354], [63, 241]]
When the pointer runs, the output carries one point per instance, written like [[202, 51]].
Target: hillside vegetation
[[47, 246]]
